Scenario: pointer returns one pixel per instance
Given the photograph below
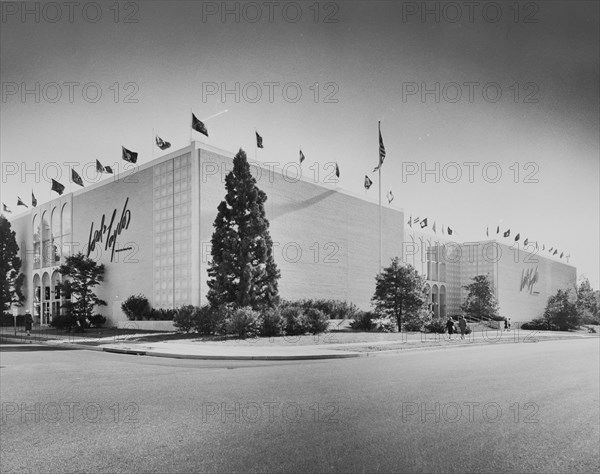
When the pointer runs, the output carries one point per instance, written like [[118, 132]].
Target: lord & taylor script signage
[[108, 233]]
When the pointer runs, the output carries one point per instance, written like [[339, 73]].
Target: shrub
[[204, 320], [315, 320], [64, 321], [363, 320], [271, 323], [97, 320], [436, 326], [135, 307], [184, 318], [295, 321], [385, 324], [161, 314], [9, 320], [417, 320], [333, 309], [539, 324], [243, 322]]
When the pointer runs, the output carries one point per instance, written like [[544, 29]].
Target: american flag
[[381, 150]]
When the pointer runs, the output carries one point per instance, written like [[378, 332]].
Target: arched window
[[47, 252], [66, 230], [46, 296], [36, 242], [56, 246], [37, 298]]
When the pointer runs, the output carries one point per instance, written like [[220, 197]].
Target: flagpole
[[380, 234]]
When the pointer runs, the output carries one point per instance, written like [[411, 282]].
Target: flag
[[33, 200], [424, 223], [507, 233], [526, 241], [381, 150], [76, 178], [551, 248], [434, 227], [497, 230], [487, 231], [555, 252], [517, 237], [536, 245], [417, 219], [390, 197], [302, 157], [561, 254], [337, 170], [410, 222], [449, 230], [103, 169], [6, 209], [57, 187], [21, 203], [199, 126], [368, 182], [160, 143], [258, 140], [128, 155]]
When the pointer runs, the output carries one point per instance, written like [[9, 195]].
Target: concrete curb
[[142, 352]]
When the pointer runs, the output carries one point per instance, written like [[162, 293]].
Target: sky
[[489, 114]]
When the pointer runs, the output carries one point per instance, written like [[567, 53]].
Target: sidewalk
[[266, 349]]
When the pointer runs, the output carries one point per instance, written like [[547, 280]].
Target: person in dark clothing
[[450, 327], [505, 324], [462, 324], [28, 323]]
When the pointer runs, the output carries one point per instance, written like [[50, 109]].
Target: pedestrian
[[450, 326], [28, 323], [462, 324], [505, 324], [509, 324]]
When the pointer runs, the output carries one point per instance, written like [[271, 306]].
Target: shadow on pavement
[[6, 347]]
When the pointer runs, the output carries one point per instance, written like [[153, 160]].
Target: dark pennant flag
[[258, 140], [424, 223], [57, 187], [33, 200], [449, 231], [21, 203], [302, 157], [76, 178], [517, 237], [199, 126], [160, 143], [128, 155], [337, 170], [6, 209], [368, 182], [507, 233]]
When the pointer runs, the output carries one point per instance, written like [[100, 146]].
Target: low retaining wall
[[147, 325]]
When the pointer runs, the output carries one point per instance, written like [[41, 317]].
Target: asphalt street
[[525, 407]]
